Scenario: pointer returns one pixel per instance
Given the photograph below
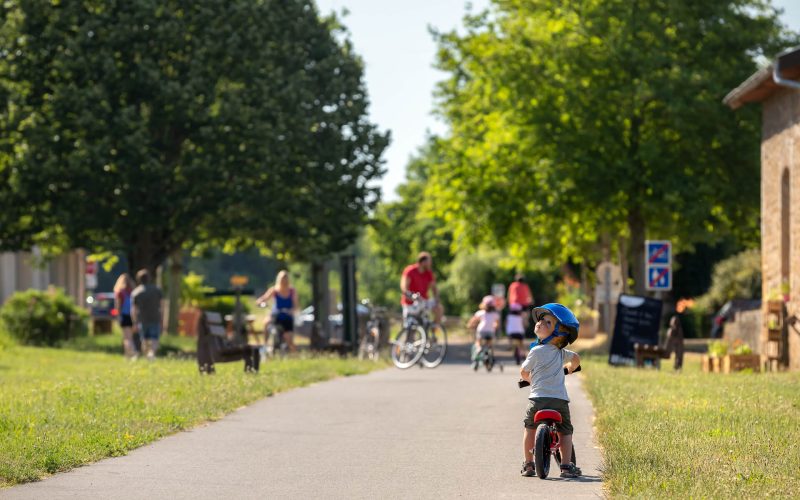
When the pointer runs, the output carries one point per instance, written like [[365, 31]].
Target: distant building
[[24, 270], [777, 88]]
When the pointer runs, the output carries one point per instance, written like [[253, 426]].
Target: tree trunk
[[174, 289], [636, 226]]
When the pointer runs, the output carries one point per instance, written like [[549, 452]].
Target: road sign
[[659, 252], [239, 281], [658, 265], [659, 278]]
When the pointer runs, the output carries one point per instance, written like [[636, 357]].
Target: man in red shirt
[[419, 278], [519, 293]]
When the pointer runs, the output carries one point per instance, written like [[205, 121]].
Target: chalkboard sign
[[638, 320]]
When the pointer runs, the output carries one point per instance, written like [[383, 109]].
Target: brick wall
[[780, 151]]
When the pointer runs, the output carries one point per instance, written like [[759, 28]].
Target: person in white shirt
[[544, 369], [485, 322]]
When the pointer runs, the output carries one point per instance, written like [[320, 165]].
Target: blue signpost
[[658, 265]]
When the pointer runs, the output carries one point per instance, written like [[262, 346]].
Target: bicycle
[[485, 356], [421, 339], [547, 442], [369, 346], [274, 341]]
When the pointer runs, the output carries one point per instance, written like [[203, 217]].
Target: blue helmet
[[564, 317]]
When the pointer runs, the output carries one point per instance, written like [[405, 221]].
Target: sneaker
[[570, 470], [528, 469]]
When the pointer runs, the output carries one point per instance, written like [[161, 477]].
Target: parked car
[[728, 311], [102, 311], [101, 305]]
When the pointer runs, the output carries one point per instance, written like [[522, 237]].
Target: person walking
[[123, 289], [147, 312]]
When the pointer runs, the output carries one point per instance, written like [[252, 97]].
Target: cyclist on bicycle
[[419, 278], [283, 308], [515, 329], [485, 322], [544, 368]]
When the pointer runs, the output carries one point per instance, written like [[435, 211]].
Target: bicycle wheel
[[408, 346], [435, 346], [489, 360], [541, 451]]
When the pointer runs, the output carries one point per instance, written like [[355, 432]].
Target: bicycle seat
[[542, 415]]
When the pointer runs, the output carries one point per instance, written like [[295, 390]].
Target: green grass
[[695, 434], [60, 408]]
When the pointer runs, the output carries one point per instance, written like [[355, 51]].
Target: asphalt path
[[449, 432]]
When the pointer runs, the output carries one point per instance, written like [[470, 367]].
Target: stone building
[[777, 89]]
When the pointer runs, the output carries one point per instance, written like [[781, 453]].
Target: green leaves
[[158, 124], [572, 120]]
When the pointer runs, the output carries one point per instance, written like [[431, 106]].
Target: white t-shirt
[[546, 364], [488, 320], [514, 324]]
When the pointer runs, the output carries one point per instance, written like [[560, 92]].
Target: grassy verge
[[694, 434], [60, 408]]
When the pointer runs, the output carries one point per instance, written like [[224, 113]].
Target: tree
[[571, 121], [142, 127]]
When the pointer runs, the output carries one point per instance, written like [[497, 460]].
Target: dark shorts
[[286, 323], [125, 320], [515, 336], [561, 406], [150, 331]]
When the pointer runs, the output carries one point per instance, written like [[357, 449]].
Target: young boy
[[545, 367]]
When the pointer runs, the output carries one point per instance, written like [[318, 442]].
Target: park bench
[[215, 345], [653, 354]]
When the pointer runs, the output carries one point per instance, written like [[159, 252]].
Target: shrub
[[222, 305], [737, 277], [36, 317], [193, 289], [718, 348]]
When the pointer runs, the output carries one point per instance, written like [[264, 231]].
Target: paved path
[[443, 433]]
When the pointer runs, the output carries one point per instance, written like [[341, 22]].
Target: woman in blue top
[[283, 308]]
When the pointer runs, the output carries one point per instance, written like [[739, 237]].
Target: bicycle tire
[[406, 354], [435, 347], [489, 360], [541, 451]]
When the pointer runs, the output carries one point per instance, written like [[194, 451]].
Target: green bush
[[222, 305], [737, 277], [36, 317]]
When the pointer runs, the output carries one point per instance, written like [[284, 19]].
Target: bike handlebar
[[524, 383]]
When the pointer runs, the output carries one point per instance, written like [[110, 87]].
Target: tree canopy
[[144, 126], [574, 121]]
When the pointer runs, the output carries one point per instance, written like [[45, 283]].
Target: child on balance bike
[[544, 368]]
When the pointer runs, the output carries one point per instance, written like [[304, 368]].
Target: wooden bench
[[214, 345], [653, 354]]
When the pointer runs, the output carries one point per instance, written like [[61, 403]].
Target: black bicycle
[[421, 339], [369, 347]]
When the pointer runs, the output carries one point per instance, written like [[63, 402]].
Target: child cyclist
[[545, 367], [485, 322]]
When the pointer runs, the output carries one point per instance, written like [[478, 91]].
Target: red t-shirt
[[419, 282], [519, 293]]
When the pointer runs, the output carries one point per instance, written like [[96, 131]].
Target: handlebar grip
[[523, 383], [566, 371]]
